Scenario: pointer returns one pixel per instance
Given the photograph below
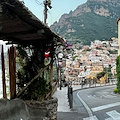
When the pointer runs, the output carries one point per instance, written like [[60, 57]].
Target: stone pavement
[[64, 112]]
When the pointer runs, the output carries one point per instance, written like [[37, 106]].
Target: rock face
[[18, 109], [96, 19]]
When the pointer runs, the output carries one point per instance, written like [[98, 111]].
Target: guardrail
[[94, 84]]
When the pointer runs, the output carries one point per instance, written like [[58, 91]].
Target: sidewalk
[[64, 112]]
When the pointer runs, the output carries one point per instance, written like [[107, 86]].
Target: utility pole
[[46, 3]]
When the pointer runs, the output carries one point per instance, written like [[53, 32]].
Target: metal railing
[[94, 83], [70, 95], [86, 85]]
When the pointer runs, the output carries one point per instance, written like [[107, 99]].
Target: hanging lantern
[[47, 54], [47, 57]]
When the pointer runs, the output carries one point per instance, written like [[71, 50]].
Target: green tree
[[101, 74], [118, 72]]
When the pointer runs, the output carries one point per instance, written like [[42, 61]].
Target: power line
[[39, 3]]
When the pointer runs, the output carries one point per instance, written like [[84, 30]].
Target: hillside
[[96, 19]]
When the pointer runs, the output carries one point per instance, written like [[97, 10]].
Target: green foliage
[[73, 58], [101, 74], [113, 51], [99, 48], [118, 72], [95, 27], [31, 61], [87, 49], [115, 90]]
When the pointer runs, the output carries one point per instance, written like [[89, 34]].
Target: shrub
[[118, 72], [115, 90], [101, 74]]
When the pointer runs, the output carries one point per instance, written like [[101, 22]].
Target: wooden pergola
[[19, 26]]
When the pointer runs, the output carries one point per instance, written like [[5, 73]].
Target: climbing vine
[[30, 62]]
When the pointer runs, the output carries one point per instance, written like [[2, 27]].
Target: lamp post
[[60, 56]]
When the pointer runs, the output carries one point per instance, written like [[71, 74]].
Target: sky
[[59, 7]]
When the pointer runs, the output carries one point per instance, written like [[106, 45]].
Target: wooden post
[[3, 73], [51, 68], [51, 74], [12, 71], [58, 75]]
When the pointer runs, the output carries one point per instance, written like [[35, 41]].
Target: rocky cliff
[[96, 19]]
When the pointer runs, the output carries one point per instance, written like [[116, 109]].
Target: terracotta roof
[[19, 25]]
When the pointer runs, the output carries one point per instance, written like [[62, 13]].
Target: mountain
[[94, 20]]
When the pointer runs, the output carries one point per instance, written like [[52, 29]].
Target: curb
[[91, 87]]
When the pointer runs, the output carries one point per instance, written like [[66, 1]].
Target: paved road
[[98, 103]]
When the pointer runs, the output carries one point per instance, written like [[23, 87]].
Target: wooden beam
[[53, 88], [3, 73], [24, 32], [12, 71], [51, 74]]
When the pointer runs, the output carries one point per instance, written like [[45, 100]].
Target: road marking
[[102, 96], [85, 105], [108, 96], [114, 115], [90, 96], [108, 119], [105, 106], [91, 118]]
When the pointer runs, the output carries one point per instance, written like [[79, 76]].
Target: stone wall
[[18, 109], [50, 106]]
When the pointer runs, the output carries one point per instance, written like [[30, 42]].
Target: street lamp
[[60, 56]]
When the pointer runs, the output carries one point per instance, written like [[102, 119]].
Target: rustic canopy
[[19, 25]]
